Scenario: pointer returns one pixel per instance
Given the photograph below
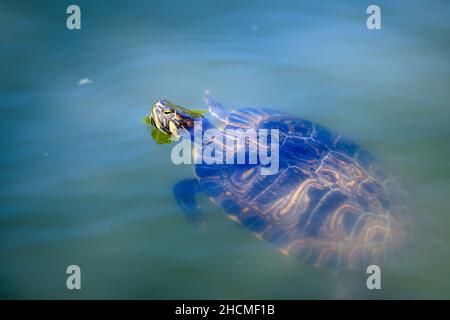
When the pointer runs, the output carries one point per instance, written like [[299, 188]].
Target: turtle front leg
[[215, 109], [184, 192]]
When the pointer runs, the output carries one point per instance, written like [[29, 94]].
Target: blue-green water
[[83, 183]]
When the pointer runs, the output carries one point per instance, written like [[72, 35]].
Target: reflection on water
[[82, 183]]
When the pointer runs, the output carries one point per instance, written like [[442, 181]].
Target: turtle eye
[[167, 112]]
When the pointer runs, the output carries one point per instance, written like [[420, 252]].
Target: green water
[[82, 182]]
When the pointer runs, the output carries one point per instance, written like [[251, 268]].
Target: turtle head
[[168, 118]]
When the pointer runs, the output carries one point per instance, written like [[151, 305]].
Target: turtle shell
[[331, 203]]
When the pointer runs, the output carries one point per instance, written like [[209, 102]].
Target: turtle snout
[[151, 120]]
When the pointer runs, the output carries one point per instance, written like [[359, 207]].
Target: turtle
[[331, 203]]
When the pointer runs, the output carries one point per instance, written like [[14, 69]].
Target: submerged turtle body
[[330, 203]]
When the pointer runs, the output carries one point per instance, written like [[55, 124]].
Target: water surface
[[83, 183]]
